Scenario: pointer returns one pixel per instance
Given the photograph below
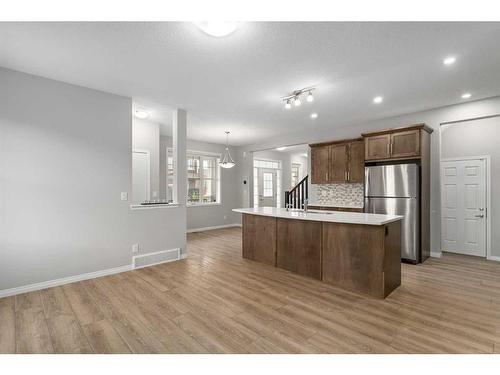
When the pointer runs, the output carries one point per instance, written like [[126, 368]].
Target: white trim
[[436, 254], [494, 258], [134, 207], [204, 153], [203, 204], [214, 227], [487, 158], [178, 250], [64, 280], [148, 154]]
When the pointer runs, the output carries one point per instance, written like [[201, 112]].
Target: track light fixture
[[310, 97], [295, 97]]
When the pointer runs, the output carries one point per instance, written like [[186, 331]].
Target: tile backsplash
[[339, 195]]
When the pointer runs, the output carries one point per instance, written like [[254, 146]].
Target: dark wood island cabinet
[[355, 251]]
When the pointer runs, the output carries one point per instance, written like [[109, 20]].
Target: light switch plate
[[124, 196], [135, 248]]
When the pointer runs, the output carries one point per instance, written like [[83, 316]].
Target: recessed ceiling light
[[466, 95], [314, 115], [141, 114], [378, 99], [281, 148], [217, 28], [449, 60]]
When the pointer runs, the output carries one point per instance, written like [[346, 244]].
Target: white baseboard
[[494, 257], [184, 256], [62, 281], [436, 254], [214, 227]]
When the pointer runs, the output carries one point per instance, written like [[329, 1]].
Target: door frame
[[148, 154], [279, 172], [487, 158]]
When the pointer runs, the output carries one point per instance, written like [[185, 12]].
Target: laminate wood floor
[[217, 302]]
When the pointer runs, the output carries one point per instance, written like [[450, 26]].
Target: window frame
[[218, 178]]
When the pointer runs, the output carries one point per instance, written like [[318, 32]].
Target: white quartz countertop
[[328, 216]]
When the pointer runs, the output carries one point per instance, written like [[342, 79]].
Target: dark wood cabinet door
[[356, 162], [405, 144], [299, 247], [338, 163], [377, 147], [320, 164], [259, 238]]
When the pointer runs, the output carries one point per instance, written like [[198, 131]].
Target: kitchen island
[[355, 251]]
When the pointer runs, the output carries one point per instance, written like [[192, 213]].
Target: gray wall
[[65, 156], [432, 118], [474, 138], [211, 215]]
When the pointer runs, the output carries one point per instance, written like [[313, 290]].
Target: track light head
[[297, 101], [310, 97], [288, 105]]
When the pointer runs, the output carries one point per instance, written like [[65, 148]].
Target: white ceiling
[[236, 82]]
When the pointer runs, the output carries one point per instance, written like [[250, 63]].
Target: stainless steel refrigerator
[[394, 189]]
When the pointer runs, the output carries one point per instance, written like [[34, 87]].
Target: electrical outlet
[[135, 248], [124, 196]]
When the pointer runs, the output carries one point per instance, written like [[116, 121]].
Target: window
[[203, 182], [267, 188]]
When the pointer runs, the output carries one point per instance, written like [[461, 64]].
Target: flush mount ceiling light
[[295, 97], [466, 95], [141, 114], [378, 99], [449, 60], [280, 148], [217, 28], [227, 161], [314, 115]]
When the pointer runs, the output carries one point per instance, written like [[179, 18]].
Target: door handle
[[479, 216]]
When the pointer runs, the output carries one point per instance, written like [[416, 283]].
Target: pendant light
[[227, 161]]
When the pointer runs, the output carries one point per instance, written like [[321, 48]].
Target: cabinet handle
[[392, 144], [348, 175], [388, 149], [345, 175]]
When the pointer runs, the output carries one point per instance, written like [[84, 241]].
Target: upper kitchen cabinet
[[320, 164], [402, 143], [338, 162]]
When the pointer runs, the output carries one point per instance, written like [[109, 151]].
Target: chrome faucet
[[306, 204]]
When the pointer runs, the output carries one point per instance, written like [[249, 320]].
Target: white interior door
[[463, 206], [267, 187], [140, 176]]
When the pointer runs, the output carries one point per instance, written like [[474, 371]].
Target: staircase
[[297, 196]]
